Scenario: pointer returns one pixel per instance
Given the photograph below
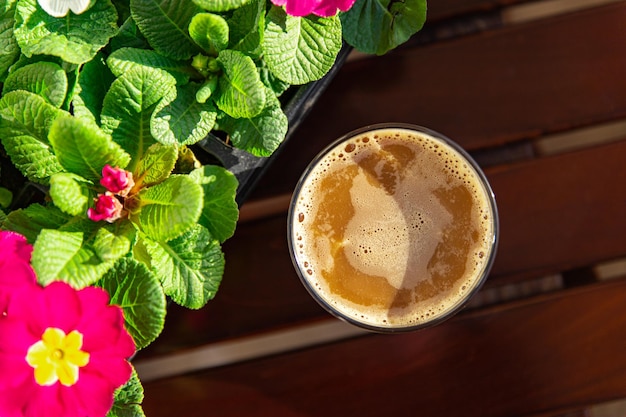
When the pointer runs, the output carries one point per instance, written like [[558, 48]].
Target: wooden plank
[[556, 213], [442, 9], [552, 354], [485, 90], [561, 212]]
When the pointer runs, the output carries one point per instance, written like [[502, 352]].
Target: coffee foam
[[391, 229]]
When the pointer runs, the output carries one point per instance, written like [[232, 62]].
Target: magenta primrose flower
[[15, 269], [63, 352], [107, 208], [322, 8], [117, 180]]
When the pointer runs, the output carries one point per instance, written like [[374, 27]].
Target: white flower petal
[[78, 6], [60, 8], [55, 8]]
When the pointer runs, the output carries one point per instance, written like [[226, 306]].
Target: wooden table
[[536, 91]]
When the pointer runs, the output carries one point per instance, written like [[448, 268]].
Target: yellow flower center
[[57, 357]]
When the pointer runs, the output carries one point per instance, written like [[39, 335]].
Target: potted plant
[[122, 125]]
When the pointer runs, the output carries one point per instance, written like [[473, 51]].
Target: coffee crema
[[393, 228]]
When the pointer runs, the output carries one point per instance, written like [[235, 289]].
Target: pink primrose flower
[[15, 269], [322, 8], [116, 180], [63, 352], [108, 208]]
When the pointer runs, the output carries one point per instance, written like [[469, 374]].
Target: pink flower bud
[[116, 180], [108, 208]]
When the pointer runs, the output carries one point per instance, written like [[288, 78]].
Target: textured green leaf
[[170, 208], [46, 79], [70, 193], [74, 38], [134, 288], [165, 25], [246, 28], [271, 81], [84, 149], [180, 120], [128, 107], [129, 35], [156, 165], [34, 218], [209, 31], [260, 135], [8, 44], [123, 60], [25, 119], [389, 23], [220, 211], [190, 267], [241, 92], [301, 49], [113, 241], [94, 80], [128, 399], [64, 256], [220, 5]]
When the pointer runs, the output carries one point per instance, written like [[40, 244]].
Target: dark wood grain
[[551, 354], [562, 212], [440, 9], [486, 90]]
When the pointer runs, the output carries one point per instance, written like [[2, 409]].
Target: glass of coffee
[[393, 227]]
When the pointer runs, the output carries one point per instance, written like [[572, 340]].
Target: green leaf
[[129, 36], [220, 211], [6, 196], [64, 256], [46, 79], [94, 80], [190, 267], [33, 219], [156, 165], [8, 44], [271, 81], [134, 288], [209, 31], [25, 119], [180, 120], [241, 92], [246, 28], [389, 23], [128, 399], [260, 135], [84, 149], [128, 107], [74, 38], [111, 245], [124, 59], [220, 5], [70, 193], [164, 23], [170, 208], [301, 49]]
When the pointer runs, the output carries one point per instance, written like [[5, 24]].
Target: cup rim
[[462, 302]]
